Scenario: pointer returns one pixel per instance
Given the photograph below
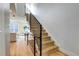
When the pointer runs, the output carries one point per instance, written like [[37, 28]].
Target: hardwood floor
[[20, 48]]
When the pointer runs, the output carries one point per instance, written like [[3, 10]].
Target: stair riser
[[44, 33], [45, 39], [51, 49], [37, 30], [49, 44]]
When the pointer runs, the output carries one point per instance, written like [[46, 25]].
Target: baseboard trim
[[69, 53]]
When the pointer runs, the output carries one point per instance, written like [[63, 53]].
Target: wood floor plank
[[20, 48]]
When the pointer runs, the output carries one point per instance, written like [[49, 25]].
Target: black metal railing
[[40, 40], [34, 45], [36, 29]]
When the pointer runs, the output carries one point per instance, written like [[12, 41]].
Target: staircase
[[49, 48]]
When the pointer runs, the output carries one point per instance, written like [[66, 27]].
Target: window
[[13, 26]]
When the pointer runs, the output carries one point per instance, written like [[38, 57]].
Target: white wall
[[62, 22], [4, 29], [20, 9]]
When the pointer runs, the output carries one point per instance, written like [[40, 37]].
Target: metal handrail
[[35, 36]]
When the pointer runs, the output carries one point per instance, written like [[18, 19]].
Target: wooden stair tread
[[38, 29], [44, 33], [44, 50], [35, 27], [47, 45], [46, 38], [49, 41], [56, 53]]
